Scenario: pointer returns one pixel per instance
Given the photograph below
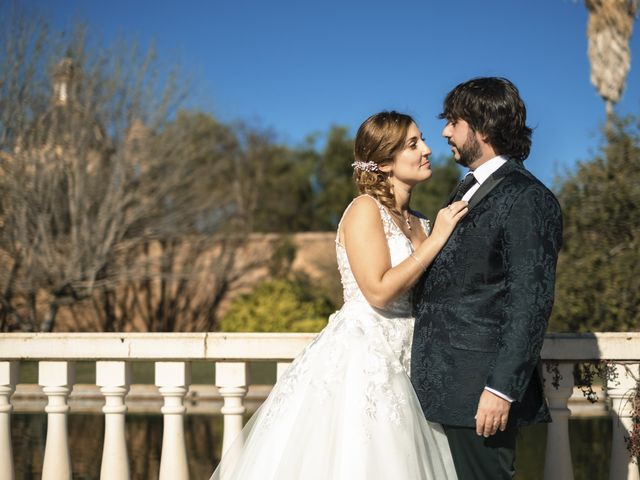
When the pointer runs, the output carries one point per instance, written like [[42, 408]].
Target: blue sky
[[298, 67]]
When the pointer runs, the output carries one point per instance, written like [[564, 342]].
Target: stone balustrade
[[172, 353]]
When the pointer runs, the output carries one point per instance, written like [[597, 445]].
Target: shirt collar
[[485, 170]]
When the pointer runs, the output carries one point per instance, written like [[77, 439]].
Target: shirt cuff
[[500, 394]]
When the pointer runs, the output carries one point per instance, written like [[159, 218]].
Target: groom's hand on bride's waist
[[492, 414]]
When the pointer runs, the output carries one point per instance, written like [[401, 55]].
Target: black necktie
[[464, 186]]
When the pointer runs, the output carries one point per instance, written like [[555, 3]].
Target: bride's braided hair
[[378, 140]]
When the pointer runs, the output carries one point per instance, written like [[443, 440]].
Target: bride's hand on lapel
[[447, 219]]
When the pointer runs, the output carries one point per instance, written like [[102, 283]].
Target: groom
[[482, 306]]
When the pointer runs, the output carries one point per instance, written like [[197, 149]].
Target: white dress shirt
[[481, 173]]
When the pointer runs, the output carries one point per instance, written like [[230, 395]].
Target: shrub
[[279, 305]]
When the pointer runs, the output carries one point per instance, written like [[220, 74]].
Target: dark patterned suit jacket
[[482, 306]]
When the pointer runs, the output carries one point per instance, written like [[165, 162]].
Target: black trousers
[[479, 458]]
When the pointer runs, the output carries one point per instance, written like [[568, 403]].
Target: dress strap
[[380, 207], [426, 224]]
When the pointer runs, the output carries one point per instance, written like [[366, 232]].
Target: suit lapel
[[452, 195], [488, 185], [492, 182]]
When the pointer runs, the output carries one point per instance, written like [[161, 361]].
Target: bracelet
[[419, 262]]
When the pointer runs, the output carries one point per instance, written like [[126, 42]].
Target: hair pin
[[365, 166]]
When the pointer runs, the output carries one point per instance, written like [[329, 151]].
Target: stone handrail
[[173, 352]]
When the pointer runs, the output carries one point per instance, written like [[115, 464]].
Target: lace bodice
[[400, 248]]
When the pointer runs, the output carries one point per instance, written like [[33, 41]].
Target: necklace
[[407, 220]]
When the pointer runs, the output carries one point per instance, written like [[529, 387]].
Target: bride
[[345, 409]]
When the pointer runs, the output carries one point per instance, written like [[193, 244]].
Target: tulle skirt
[[344, 410]]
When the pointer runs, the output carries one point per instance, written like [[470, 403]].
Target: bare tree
[[96, 171], [180, 280]]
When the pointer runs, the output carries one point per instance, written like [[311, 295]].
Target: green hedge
[[279, 305]]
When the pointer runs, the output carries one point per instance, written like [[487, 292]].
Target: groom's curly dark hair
[[492, 107]]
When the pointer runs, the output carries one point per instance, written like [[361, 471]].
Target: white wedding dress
[[345, 409]]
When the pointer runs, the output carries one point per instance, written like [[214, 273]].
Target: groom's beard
[[470, 151]]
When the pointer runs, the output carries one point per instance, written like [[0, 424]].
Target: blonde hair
[[379, 139]]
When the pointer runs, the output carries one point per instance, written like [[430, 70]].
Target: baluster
[[8, 380], [114, 378], [620, 391], [558, 455], [173, 380], [57, 379], [281, 367], [231, 380]]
